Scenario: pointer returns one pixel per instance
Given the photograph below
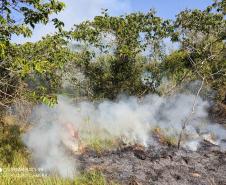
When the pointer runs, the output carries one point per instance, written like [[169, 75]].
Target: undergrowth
[[12, 150]]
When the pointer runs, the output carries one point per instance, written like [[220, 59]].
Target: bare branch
[[189, 118]]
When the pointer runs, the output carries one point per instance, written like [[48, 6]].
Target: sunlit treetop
[[19, 16]]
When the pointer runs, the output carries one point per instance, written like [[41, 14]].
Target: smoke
[[132, 120]]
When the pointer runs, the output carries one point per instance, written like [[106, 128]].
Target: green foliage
[[111, 56], [176, 66], [121, 69], [201, 55], [127, 31], [30, 13], [20, 62], [202, 35], [39, 67]]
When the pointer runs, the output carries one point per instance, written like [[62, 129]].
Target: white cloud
[[77, 11]]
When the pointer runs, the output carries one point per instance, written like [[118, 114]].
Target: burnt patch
[[159, 165]]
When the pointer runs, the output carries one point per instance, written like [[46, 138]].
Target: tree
[[202, 52], [201, 35], [118, 66], [19, 17], [39, 67]]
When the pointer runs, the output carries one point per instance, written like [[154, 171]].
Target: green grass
[[91, 178], [31, 180], [86, 178], [12, 150], [99, 145], [13, 154]]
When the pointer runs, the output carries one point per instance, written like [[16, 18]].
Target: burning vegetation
[[109, 102], [113, 137]]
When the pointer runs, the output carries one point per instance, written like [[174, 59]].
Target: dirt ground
[[159, 165]]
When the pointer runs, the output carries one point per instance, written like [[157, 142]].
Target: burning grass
[[135, 164], [106, 139], [100, 145]]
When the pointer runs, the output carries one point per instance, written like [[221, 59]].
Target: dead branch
[[188, 119]]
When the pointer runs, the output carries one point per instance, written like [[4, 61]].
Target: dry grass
[[163, 138]]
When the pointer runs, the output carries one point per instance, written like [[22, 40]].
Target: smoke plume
[[129, 119]]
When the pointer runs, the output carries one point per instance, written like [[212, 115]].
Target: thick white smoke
[[128, 118]]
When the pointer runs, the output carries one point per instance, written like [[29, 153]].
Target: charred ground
[[159, 165]]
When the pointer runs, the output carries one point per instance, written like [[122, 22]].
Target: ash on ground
[[159, 165]]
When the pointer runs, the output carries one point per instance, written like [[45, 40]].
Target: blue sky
[[77, 11], [168, 8]]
